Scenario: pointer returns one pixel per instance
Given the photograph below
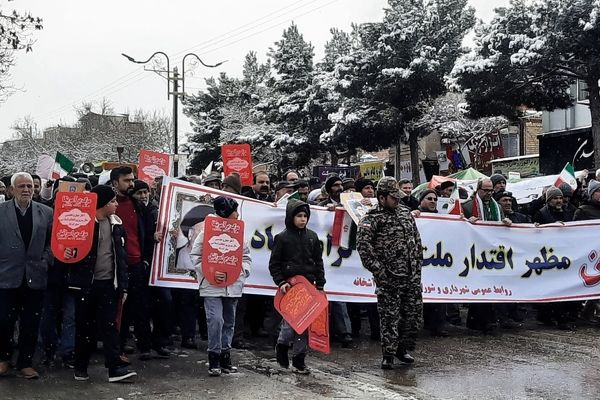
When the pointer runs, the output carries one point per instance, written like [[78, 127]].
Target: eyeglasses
[[487, 190], [431, 198]]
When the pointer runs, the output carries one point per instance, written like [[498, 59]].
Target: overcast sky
[[77, 56]]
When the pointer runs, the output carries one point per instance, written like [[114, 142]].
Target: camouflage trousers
[[401, 315]]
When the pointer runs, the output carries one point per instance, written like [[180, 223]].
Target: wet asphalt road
[[531, 363]]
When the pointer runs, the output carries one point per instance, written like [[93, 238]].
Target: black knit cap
[[225, 206], [105, 194], [361, 183], [139, 185], [330, 181], [427, 192]]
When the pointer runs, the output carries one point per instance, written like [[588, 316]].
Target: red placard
[[73, 225], [238, 158], [222, 249], [318, 332], [301, 305], [153, 164]]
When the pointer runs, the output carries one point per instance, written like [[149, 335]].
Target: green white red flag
[[62, 166], [567, 175]]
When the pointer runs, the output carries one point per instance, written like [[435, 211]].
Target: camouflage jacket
[[389, 244]]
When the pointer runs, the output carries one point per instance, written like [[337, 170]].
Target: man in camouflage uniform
[[390, 247]]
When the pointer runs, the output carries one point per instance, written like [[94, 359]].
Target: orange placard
[[238, 158], [73, 225], [301, 305], [152, 165], [222, 249], [318, 332]]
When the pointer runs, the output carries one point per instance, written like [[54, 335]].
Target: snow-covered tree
[[396, 67], [16, 29], [529, 54]]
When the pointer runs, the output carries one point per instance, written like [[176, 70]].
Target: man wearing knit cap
[[567, 192], [505, 200], [591, 210], [499, 182], [141, 191], [342, 327], [564, 314], [428, 201], [348, 185], [334, 188], [101, 280], [553, 211], [366, 187]]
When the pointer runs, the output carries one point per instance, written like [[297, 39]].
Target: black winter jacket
[[297, 251], [586, 212], [81, 274]]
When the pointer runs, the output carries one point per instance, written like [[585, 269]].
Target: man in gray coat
[[24, 257]]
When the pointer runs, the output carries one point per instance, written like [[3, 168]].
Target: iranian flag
[[567, 175], [62, 166]]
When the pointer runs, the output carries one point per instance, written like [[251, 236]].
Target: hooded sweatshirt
[[297, 251]]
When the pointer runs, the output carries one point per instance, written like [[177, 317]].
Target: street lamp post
[[173, 76]]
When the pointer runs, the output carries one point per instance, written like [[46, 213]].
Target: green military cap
[[389, 184]]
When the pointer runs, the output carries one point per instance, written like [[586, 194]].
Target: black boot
[[388, 361], [283, 358], [225, 362], [213, 364], [298, 364], [403, 356]]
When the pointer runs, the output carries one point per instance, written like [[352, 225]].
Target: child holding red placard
[[220, 302], [296, 251]]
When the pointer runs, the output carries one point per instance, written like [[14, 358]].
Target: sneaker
[[81, 376], [225, 363], [214, 368], [120, 374]]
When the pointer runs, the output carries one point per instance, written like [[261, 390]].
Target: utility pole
[[173, 76], [175, 94]]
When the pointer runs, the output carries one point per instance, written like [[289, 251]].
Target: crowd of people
[[64, 309]]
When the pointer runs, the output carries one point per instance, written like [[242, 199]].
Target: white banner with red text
[[463, 263]]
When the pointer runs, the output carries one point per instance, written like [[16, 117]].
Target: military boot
[[403, 356], [388, 361]]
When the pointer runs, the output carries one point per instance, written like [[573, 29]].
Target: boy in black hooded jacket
[[296, 251]]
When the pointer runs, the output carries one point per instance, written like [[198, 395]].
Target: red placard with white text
[[301, 305], [238, 158], [152, 165], [222, 249], [318, 332], [73, 225]]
